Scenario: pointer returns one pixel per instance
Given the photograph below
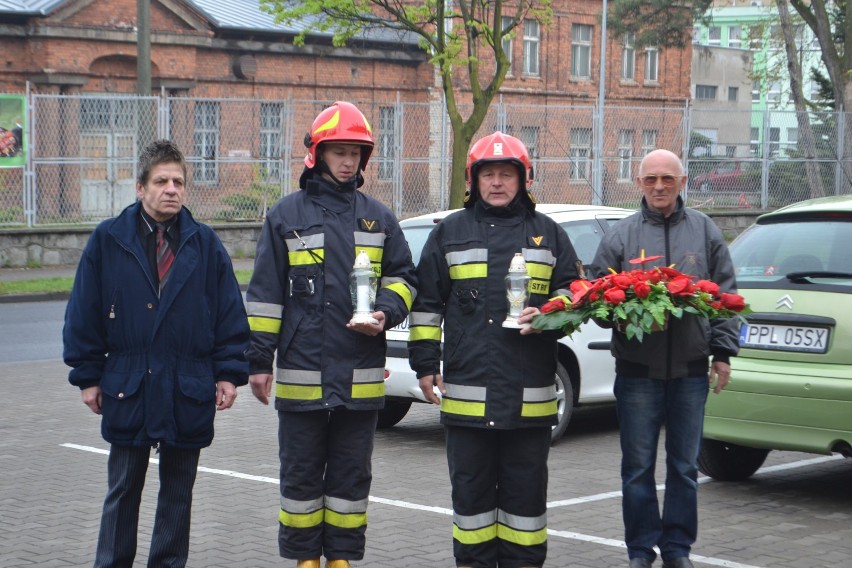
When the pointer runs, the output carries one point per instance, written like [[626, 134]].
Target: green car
[[791, 385]]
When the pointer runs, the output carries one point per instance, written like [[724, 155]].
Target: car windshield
[[798, 251]]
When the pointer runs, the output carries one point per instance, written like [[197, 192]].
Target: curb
[[45, 297], [51, 297]]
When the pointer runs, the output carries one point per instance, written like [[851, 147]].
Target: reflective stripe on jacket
[[299, 300], [494, 376]]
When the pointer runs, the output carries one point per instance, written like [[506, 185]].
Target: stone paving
[[53, 478]]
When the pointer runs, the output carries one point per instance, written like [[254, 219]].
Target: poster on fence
[[12, 143]]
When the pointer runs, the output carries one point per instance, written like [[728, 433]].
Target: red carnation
[[681, 285], [554, 305], [641, 289], [733, 302], [622, 281], [614, 296], [708, 286]]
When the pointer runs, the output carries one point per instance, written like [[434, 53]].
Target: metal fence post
[[840, 167], [764, 174], [398, 191]]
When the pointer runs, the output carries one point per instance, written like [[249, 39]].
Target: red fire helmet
[[497, 147], [341, 122]]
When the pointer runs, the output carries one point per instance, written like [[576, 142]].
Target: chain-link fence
[[245, 154]]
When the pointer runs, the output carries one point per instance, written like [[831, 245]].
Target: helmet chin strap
[[324, 169]]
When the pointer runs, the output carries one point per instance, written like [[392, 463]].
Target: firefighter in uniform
[[329, 381], [499, 397]]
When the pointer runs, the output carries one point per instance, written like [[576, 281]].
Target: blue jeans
[[644, 406]]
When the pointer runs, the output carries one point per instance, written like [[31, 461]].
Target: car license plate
[[777, 337]]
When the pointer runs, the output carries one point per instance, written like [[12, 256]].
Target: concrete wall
[[21, 248]]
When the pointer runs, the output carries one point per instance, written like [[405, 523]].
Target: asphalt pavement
[[795, 512]]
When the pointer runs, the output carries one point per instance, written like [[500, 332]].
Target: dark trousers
[[499, 480], [326, 458], [126, 471]]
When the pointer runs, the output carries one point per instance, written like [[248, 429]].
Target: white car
[[586, 369]]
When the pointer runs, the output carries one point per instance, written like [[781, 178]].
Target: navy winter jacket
[[156, 358]]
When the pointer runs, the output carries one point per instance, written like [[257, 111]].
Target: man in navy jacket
[[155, 333]]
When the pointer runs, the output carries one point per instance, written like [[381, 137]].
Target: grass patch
[[36, 286], [49, 285]]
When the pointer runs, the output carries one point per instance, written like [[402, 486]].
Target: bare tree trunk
[[806, 135]]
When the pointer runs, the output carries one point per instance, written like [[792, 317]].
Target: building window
[[774, 140], [735, 36], [792, 139], [581, 51], [628, 57], [206, 142], [581, 149], [754, 142], [774, 94], [696, 35], [755, 91], [386, 142], [705, 92], [531, 40], [270, 140], [625, 154], [649, 141], [733, 94], [730, 151], [507, 43], [652, 65], [714, 35]]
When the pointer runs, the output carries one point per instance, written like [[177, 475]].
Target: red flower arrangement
[[639, 301]]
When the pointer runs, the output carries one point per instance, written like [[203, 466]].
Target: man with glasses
[[663, 380]]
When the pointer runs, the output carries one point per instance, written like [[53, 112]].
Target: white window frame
[[735, 36], [581, 51], [507, 42], [580, 152], [271, 123], [652, 65], [206, 142], [532, 39], [628, 57], [649, 141], [714, 35], [625, 154], [385, 147]]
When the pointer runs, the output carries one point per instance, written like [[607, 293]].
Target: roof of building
[[230, 15]]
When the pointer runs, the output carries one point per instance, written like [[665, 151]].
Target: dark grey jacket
[[690, 241]]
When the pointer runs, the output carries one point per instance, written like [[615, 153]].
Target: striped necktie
[[165, 256]]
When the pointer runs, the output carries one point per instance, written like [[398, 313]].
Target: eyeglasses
[[651, 181]]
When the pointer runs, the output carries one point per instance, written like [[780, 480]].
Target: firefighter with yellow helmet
[[329, 375], [498, 394]]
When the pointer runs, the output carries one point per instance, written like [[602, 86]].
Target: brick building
[[229, 72]]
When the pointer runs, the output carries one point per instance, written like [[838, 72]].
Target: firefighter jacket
[[156, 357], [495, 377], [691, 242], [299, 299]]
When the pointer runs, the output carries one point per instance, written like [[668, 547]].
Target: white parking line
[[564, 503], [661, 487]]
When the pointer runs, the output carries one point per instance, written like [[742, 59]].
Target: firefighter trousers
[[325, 482], [499, 480]]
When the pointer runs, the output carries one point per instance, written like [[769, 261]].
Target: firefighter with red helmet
[[329, 375], [498, 394]]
